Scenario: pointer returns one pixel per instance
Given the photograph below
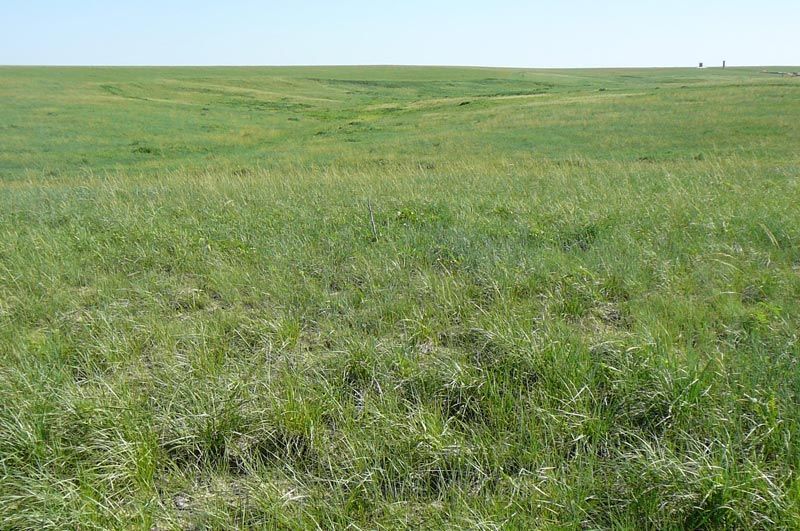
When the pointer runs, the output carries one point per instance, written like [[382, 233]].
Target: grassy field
[[399, 298]]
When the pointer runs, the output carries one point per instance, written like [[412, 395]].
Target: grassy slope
[[579, 306]]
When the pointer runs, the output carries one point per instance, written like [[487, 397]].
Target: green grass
[[578, 308]]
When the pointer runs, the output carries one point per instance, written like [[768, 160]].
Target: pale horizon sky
[[569, 33]]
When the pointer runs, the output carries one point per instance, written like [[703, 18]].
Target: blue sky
[[568, 33]]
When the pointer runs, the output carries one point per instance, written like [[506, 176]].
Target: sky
[[566, 33]]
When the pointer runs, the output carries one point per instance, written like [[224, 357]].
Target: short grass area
[[399, 298]]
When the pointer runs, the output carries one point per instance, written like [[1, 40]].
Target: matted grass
[[578, 306]]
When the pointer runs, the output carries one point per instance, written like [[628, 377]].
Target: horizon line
[[385, 65]]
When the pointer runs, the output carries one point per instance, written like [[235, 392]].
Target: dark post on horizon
[[723, 64]]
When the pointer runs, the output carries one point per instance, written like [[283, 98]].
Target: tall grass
[[520, 342]]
